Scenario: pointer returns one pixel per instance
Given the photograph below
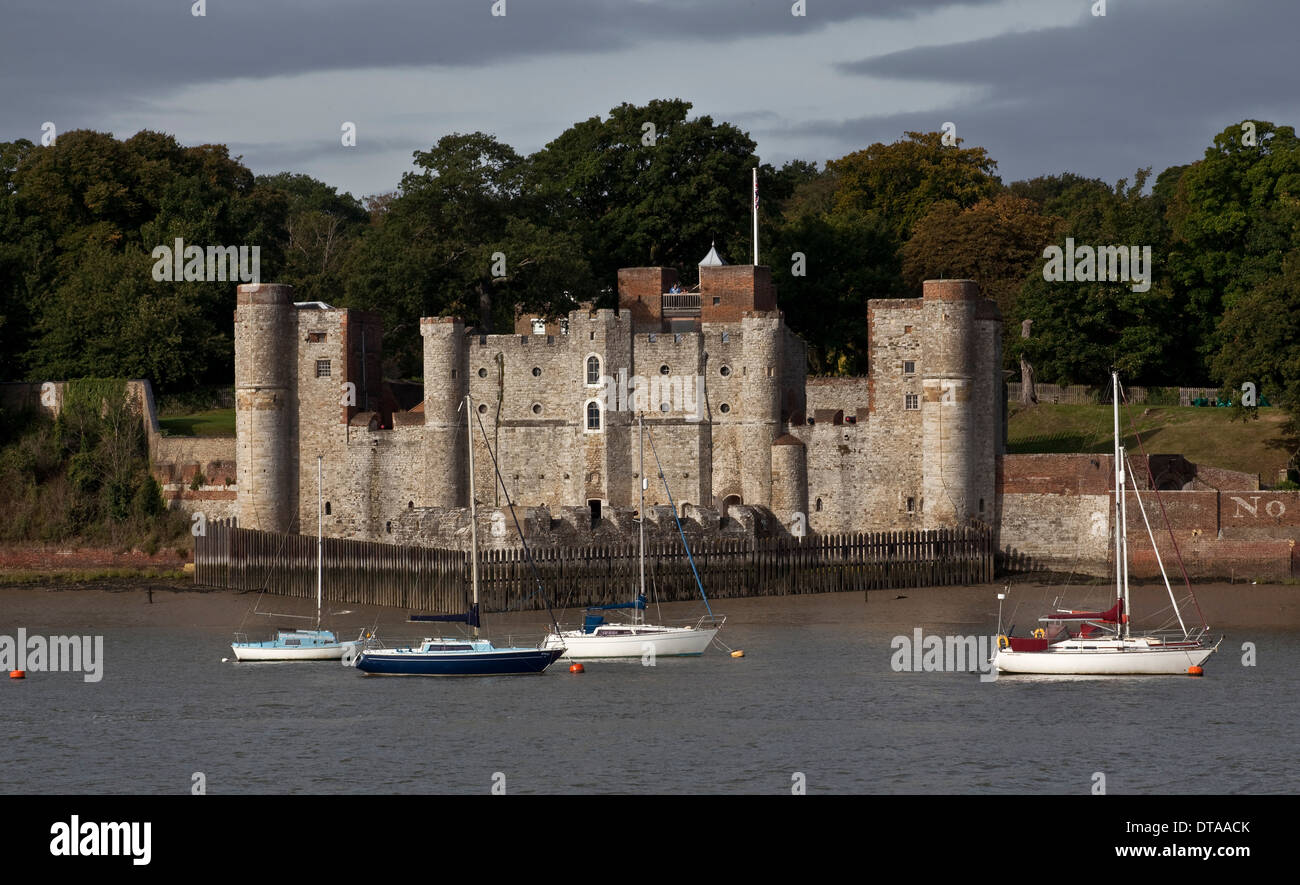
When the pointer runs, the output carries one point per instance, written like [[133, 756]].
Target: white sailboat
[[1095, 643], [301, 645], [636, 638]]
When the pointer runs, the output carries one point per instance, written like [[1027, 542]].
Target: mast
[[1121, 528], [636, 612], [473, 518], [320, 539]]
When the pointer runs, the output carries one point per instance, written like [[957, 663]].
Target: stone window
[[907, 330], [537, 372], [819, 505], [724, 371], [539, 326], [981, 505], [564, 327], [389, 528], [593, 370], [482, 373], [677, 339], [911, 505], [911, 402], [724, 408], [716, 300], [909, 367], [652, 337], [315, 337], [322, 368], [664, 370], [327, 508], [726, 336], [664, 407], [482, 408], [537, 408], [593, 417]]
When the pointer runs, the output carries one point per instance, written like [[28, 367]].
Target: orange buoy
[[1195, 671], [577, 668], [17, 674], [738, 653]]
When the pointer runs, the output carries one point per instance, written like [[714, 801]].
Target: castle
[[737, 423]]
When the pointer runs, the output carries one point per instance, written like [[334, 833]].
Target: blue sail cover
[[639, 603], [470, 617]]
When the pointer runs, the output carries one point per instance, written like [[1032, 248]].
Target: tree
[[901, 182], [639, 197]]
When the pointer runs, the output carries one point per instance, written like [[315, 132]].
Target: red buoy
[[577, 668], [17, 674], [1195, 671]]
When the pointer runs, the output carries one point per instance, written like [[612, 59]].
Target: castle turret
[[445, 385], [790, 483], [760, 401], [949, 456], [265, 373]]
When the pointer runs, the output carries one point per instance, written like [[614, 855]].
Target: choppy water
[[815, 694]]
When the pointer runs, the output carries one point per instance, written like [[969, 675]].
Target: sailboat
[[598, 639], [457, 656], [301, 645], [1102, 643]]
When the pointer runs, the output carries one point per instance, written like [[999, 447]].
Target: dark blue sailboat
[[457, 656]]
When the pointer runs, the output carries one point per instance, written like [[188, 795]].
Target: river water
[[815, 701]]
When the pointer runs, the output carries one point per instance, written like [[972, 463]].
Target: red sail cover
[[1110, 616]]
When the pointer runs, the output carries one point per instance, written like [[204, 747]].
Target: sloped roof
[[713, 259]]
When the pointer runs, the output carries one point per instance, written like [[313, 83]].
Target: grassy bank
[[1202, 435]]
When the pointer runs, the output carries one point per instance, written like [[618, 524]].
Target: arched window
[[593, 370], [593, 416]]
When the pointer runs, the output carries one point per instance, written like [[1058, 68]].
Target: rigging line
[[537, 575], [1155, 549], [1151, 479], [689, 557]]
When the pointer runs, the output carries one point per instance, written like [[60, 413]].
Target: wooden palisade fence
[[436, 580]]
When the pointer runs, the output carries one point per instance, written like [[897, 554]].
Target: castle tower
[[790, 482], [446, 368], [265, 372], [760, 401], [949, 451]]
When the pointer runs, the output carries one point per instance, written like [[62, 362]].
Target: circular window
[[663, 370], [482, 373], [663, 407], [724, 408], [724, 371], [536, 372], [482, 408], [537, 408]]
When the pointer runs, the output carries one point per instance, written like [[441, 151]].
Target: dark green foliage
[[84, 476]]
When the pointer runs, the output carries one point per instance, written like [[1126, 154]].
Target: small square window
[[909, 367], [911, 402], [716, 300], [539, 326], [652, 337], [726, 336], [322, 368], [315, 337]]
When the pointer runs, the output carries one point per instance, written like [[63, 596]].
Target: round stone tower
[[949, 449], [446, 365], [265, 428], [790, 483], [760, 400]]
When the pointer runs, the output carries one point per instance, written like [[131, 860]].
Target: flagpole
[[755, 216]]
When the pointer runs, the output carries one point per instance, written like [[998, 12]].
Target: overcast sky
[[1044, 85]]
